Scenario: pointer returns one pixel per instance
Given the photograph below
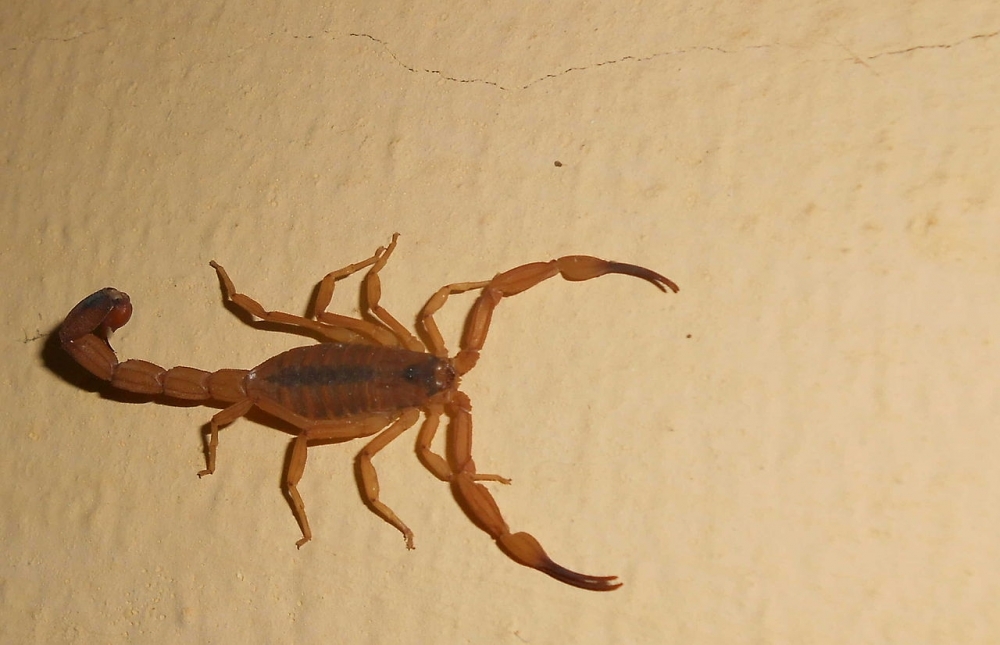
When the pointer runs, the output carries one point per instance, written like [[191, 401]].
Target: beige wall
[[799, 447]]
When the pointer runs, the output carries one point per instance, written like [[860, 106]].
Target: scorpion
[[368, 376]]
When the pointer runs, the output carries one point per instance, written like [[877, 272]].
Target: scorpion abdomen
[[337, 380]]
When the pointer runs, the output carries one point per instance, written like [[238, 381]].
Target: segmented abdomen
[[336, 380]]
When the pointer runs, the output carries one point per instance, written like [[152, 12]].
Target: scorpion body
[[370, 377], [336, 380]]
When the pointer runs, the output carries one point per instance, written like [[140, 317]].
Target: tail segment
[[84, 336]]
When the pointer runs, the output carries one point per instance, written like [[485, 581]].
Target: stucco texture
[[799, 447]]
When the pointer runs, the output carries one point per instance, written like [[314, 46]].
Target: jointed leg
[[425, 319], [336, 327], [373, 293], [369, 478], [296, 466], [300, 447], [344, 334], [459, 445], [220, 419], [326, 286], [388, 333]]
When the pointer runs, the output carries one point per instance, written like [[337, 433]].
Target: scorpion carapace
[[370, 377]]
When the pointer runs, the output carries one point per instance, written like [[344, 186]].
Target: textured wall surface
[[799, 447]]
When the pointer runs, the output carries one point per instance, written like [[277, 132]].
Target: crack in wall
[[66, 39], [424, 70], [957, 43], [644, 58], [631, 58], [569, 70]]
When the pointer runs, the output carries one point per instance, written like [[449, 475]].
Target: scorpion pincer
[[370, 376]]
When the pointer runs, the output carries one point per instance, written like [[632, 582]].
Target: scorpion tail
[[101, 312], [84, 336]]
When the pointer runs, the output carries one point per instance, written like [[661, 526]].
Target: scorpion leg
[[315, 431], [366, 471], [222, 418], [369, 478], [479, 504], [349, 331], [296, 466], [329, 282], [425, 319], [373, 293], [372, 287], [437, 464]]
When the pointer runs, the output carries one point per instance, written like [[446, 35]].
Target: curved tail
[[84, 336]]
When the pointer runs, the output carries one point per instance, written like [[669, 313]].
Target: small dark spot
[[558, 164], [688, 336]]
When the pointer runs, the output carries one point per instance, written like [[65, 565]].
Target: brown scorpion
[[371, 377]]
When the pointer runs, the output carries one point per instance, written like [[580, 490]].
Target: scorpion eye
[[410, 373]]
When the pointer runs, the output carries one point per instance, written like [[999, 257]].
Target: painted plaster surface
[[799, 447]]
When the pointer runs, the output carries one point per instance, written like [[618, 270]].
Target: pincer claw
[[524, 549]]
